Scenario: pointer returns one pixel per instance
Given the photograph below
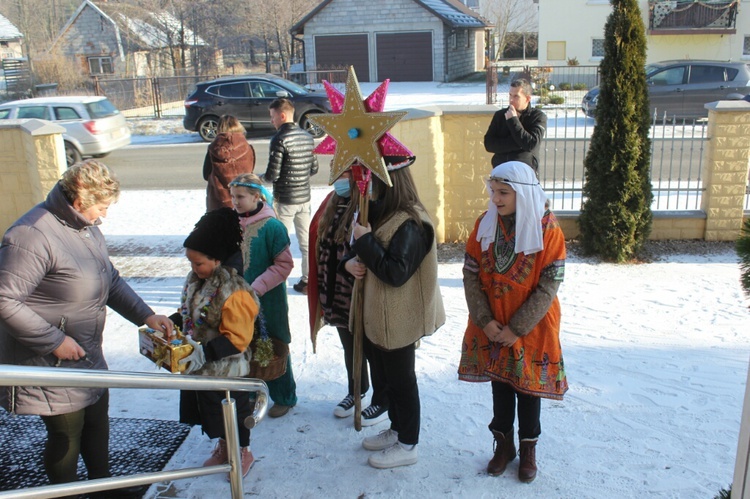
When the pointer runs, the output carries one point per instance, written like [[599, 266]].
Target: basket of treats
[[269, 354]]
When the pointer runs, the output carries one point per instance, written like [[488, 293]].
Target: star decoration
[[357, 132], [374, 103]]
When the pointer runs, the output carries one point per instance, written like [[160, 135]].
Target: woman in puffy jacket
[[56, 282], [228, 155]]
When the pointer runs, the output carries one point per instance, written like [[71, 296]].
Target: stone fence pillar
[[725, 169], [32, 161]]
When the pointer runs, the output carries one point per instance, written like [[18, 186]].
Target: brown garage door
[[404, 56], [341, 51]]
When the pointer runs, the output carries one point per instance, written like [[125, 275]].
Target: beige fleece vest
[[395, 317]]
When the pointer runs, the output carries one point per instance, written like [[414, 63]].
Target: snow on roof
[[164, 33], [454, 13], [7, 30]]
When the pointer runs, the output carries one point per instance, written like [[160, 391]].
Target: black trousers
[[504, 411], [347, 341], [84, 432], [396, 369], [205, 408]]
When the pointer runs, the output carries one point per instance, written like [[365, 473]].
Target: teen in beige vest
[[398, 261]]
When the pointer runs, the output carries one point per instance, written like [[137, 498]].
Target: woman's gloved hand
[[195, 360]]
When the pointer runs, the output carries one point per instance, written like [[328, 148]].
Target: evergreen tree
[[743, 251], [616, 214]]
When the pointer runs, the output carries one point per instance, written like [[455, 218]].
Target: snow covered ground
[[656, 354]]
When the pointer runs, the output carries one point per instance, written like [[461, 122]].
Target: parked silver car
[[93, 126], [681, 88]]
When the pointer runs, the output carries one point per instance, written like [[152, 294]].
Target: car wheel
[[72, 156], [308, 126], [207, 128]]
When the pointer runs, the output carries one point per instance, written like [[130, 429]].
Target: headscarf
[[530, 208]]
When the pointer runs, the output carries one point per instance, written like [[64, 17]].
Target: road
[[180, 166]]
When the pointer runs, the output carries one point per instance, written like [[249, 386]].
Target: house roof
[[158, 36], [452, 12], [7, 30], [91, 5]]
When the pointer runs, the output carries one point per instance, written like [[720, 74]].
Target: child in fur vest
[[218, 310]]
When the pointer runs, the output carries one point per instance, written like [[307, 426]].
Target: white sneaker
[[394, 456], [345, 407], [373, 415], [382, 440]]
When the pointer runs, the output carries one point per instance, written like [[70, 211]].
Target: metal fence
[[163, 96], [562, 86], [94, 378], [676, 160]]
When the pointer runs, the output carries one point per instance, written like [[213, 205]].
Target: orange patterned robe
[[534, 364]]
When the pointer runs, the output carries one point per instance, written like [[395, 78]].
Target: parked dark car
[[247, 97], [682, 88]]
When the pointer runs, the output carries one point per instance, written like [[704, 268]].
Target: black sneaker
[[345, 407], [301, 286], [374, 414]]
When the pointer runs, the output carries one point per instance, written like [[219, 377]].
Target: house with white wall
[[675, 29]]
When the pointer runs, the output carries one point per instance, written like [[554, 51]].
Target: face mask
[[342, 188]]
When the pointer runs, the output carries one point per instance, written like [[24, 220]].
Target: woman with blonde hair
[[56, 282], [228, 155]]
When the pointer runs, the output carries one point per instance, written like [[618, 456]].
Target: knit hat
[[217, 234]]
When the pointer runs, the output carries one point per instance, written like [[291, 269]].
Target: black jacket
[[517, 139], [291, 162]]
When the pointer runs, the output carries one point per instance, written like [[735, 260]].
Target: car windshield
[[101, 109], [290, 85]]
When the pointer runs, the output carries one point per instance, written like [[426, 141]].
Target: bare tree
[[510, 16]]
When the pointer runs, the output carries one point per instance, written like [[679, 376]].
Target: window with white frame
[[100, 65], [746, 46], [454, 40], [597, 47]]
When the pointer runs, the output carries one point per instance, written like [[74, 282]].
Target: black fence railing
[[692, 14], [562, 86]]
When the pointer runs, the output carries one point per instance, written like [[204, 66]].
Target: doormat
[[135, 446]]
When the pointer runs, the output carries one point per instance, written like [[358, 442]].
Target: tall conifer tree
[[616, 214]]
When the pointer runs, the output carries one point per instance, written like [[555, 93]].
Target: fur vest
[[202, 304]]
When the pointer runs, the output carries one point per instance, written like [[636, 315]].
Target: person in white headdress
[[514, 264]]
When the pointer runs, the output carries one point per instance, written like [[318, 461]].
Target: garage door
[[404, 56], [341, 51]]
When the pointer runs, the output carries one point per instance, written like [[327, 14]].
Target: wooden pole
[[357, 311]]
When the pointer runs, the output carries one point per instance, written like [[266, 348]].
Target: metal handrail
[[94, 378]]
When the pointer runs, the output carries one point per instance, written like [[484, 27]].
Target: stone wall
[[32, 161]]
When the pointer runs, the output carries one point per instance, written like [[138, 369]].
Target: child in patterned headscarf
[[514, 264]]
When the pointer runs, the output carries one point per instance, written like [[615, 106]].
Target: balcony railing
[[692, 16]]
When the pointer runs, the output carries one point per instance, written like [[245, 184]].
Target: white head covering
[[530, 200]]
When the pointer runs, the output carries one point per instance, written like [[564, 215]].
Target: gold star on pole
[[356, 133]]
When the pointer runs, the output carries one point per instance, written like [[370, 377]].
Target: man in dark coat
[[516, 132], [291, 162]]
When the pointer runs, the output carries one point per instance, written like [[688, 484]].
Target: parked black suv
[[247, 97]]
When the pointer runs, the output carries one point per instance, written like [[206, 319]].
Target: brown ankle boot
[[219, 455], [527, 468], [505, 452]]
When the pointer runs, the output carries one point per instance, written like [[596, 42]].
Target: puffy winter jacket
[[228, 156], [54, 268], [291, 162]]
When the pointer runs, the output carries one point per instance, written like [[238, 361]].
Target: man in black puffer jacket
[[291, 162]]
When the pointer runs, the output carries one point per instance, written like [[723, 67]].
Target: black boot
[[505, 452]]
